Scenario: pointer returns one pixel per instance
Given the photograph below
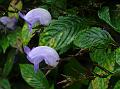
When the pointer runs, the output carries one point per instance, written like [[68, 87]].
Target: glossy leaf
[[61, 32], [35, 80], [93, 37]]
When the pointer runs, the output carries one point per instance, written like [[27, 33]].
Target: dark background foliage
[[85, 33]]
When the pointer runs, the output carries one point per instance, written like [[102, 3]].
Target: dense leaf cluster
[[85, 33]]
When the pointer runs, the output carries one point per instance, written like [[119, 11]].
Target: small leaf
[[93, 37], [35, 80], [117, 55], [103, 14], [9, 63], [111, 16], [26, 34], [14, 6], [4, 84], [4, 43]]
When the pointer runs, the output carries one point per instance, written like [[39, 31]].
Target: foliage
[[85, 33]]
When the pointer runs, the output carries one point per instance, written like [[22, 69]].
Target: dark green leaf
[[4, 84], [9, 63], [93, 37], [117, 56], [117, 86], [104, 14], [10, 39], [61, 32], [35, 80], [111, 16], [76, 73]]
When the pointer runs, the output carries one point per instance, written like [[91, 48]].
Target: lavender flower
[[36, 15], [40, 53], [10, 23]]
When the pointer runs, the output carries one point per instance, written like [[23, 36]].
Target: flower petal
[[36, 67], [36, 15], [26, 49]]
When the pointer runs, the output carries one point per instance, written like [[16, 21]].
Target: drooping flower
[[36, 15], [40, 53], [10, 23]]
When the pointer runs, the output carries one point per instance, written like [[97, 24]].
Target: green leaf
[[35, 80], [117, 55], [111, 16], [93, 37], [9, 63], [14, 7], [60, 33], [26, 34], [9, 39], [117, 86], [4, 84], [4, 43], [99, 83], [104, 14], [106, 59]]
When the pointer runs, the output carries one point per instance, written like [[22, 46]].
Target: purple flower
[[40, 53], [10, 23], [36, 15]]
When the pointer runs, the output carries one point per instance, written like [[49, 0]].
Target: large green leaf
[[9, 62], [93, 37], [106, 59], [35, 80], [60, 33], [4, 84]]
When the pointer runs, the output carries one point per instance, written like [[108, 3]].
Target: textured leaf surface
[[104, 14], [111, 17], [104, 58], [61, 32], [93, 37], [35, 80]]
